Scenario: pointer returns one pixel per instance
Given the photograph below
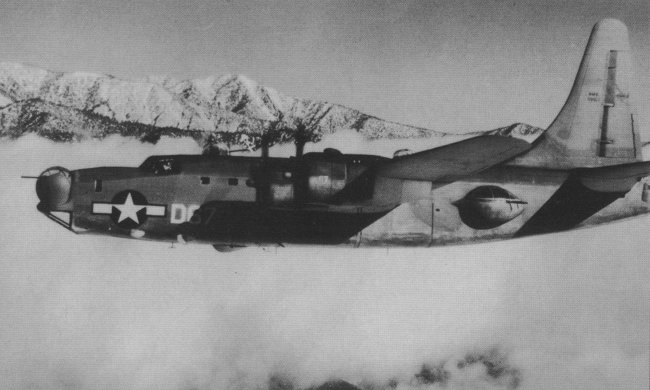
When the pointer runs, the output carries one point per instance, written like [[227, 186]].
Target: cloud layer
[[80, 312]]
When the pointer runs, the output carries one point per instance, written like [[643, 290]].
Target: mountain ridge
[[218, 112]]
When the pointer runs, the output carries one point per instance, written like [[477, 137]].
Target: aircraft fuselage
[[229, 199], [319, 198]]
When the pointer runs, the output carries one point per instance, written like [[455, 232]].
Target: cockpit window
[[164, 166]]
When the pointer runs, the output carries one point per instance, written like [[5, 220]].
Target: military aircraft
[[487, 186]]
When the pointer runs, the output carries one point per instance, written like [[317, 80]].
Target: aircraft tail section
[[596, 125]]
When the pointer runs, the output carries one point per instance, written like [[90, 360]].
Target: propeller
[[300, 139]]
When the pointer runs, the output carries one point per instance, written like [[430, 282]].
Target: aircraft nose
[[53, 188]]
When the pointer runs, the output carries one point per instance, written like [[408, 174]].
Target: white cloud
[[566, 310]]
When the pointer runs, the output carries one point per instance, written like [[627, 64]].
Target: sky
[[450, 66], [562, 311]]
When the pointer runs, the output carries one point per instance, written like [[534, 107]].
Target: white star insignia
[[129, 210]]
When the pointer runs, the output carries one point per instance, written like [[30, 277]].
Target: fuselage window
[[233, 181], [98, 185], [205, 180], [179, 214]]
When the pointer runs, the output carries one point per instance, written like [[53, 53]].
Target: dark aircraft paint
[[221, 199], [242, 223]]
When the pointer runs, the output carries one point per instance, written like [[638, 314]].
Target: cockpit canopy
[[162, 165]]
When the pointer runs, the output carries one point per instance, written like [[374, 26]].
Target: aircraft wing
[[585, 192], [451, 162]]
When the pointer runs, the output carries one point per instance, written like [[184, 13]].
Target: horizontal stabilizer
[[451, 162], [615, 178]]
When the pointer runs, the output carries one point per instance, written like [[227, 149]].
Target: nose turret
[[53, 188]]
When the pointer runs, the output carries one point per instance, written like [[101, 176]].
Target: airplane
[[488, 186]]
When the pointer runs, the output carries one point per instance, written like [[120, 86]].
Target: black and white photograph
[[324, 195]]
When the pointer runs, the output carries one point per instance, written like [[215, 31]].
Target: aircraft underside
[[243, 223], [246, 223]]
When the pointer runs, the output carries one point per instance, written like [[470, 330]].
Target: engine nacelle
[[487, 207]]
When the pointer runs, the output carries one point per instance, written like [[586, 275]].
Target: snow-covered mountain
[[227, 112]]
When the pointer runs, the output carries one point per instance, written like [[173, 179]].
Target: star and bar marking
[[129, 209]]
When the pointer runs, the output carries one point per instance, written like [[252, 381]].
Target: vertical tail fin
[[596, 125]]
